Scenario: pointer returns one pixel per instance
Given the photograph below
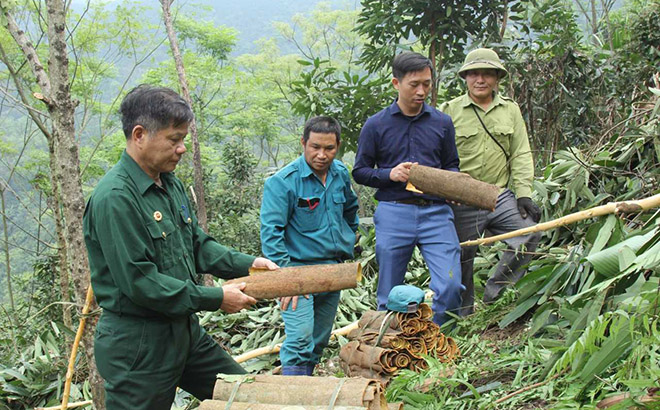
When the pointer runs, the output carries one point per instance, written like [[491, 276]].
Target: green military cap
[[482, 58]]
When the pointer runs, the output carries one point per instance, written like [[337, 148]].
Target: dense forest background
[[581, 327]]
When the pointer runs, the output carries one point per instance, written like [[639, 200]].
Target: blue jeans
[[307, 331], [401, 227]]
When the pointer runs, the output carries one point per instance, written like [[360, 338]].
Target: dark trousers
[[471, 223], [143, 360]]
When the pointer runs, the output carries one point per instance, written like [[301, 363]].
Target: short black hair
[[410, 62], [323, 125], [154, 108]]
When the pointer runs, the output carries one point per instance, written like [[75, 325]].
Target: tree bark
[[56, 94], [455, 186], [5, 230], [300, 280], [61, 237]]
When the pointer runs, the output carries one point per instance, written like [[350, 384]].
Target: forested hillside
[[581, 327]]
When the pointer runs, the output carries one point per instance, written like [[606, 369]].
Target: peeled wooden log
[[455, 186], [313, 391], [301, 280]]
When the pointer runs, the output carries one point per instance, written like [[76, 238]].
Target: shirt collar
[[137, 174], [467, 100], [395, 109], [306, 170]]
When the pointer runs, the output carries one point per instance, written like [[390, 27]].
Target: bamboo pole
[[74, 349], [301, 280], [343, 331], [70, 405], [610, 208]]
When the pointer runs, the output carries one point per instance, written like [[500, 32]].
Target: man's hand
[[527, 207], [234, 299], [401, 172], [284, 302], [263, 263]]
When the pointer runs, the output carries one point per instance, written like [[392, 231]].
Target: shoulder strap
[[506, 155]]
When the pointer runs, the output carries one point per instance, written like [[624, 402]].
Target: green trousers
[[143, 360]]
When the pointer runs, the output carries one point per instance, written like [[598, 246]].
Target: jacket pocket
[[162, 235], [466, 139]]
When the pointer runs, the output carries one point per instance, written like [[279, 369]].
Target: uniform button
[[189, 220], [164, 235]]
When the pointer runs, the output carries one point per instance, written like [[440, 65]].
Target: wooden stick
[[70, 405], [275, 349], [74, 350], [610, 208], [524, 389]]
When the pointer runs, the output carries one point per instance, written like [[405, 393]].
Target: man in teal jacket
[[308, 217], [145, 249]]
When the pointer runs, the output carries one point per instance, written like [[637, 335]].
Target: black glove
[[527, 207]]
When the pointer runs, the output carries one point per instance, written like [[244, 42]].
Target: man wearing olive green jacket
[[145, 249], [493, 147]]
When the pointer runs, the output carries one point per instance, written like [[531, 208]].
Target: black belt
[[417, 201]]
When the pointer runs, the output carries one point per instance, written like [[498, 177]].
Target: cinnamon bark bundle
[[385, 342], [300, 280], [268, 392], [455, 186]]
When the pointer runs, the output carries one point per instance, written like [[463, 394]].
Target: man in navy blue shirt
[[410, 131]]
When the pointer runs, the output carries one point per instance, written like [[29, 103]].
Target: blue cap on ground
[[405, 298]]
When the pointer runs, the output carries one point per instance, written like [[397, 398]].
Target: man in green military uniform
[[493, 147], [145, 248]]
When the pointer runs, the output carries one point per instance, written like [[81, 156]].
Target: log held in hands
[[455, 186], [300, 280]]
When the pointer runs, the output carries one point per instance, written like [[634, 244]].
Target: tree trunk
[[57, 97], [198, 172], [183, 82], [61, 237], [5, 230], [432, 54]]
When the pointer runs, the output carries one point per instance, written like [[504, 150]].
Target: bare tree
[[183, 82], [56, 95]]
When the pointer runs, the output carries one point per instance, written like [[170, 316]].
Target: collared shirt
[[305, 222], [390, 138], [145, 247], [480, 156]]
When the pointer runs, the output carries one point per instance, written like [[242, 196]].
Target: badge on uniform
[[310, 203], [158, 216]]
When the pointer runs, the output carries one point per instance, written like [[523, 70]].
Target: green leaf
[[520, 310], [606, 262], [614, 348], [626, 257], [604, 234]]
